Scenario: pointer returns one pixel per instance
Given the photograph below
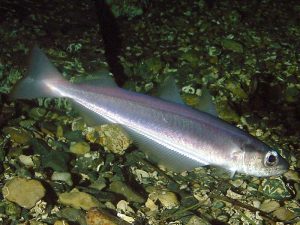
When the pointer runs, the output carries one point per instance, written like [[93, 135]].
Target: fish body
[[172, 134]]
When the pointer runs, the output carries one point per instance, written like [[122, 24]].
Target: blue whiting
[[172, 134]]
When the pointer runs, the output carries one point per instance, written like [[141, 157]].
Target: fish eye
[[271, 158]]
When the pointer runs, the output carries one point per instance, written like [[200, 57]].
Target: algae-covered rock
[[62, 176], [24, 192], [232, 45], [80, 148], [275, 188], [111, 136], [73, 215], [236, 89], [269, 206], [226, 112], [292, 175], [18, 135], [12, 209], [57, 160], [123, 189], [78, 200], [167, 199], [37, 113], [283, 214]]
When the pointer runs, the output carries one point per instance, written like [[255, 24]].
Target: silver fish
[[172, 134]]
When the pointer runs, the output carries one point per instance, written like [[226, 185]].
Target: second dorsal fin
[[206, 103], [169, 91]]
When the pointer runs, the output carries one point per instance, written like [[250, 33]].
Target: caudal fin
[[40, 74]]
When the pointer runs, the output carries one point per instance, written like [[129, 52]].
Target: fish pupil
[[272, 159]]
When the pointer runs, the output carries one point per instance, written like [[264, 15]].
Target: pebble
[[223, 218], [78, 200], [283, 214], [114, 139], [80, 148], [26, 160], [269, 206], [37, 113], [233, 195], [61, 222], [25, 192], [18, 135], [123, 206], [123, 189], [166, 198], [275, 188], [62, 176], [151, 205], [232, 45], [195, 220], [292, 175], [237, 182], [98, 217], [111, 137]]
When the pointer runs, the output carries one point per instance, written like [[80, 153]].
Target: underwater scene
[[149, 112]]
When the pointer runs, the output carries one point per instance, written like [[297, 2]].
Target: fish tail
[[40, 76]]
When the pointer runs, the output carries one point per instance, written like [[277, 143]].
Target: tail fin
[[40, 74]]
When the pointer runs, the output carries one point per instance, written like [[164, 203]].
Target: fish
[[172, 134]]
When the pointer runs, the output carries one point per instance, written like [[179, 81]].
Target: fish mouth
[[281, 168]]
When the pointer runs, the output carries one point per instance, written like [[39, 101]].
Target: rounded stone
[[61, 222], [80, 148], [283, 214], [62, 176], [269, 206], [25, 192], [78, 200], [97, 217], [168, 199]]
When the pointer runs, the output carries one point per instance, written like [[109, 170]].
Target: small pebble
[[292, 175], [80, 148], [25, 192], [98, 217], [18, 134], [166, 198], [123, 189], [62, 176], [195, 220], [283, 214], [61, 222], [26, 160], [78, 200], [269, 206]]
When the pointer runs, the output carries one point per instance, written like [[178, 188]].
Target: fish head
[[262, 161]]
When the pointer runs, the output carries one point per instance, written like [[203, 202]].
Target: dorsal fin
[[100, 78], [169, 91], [206, 103]]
